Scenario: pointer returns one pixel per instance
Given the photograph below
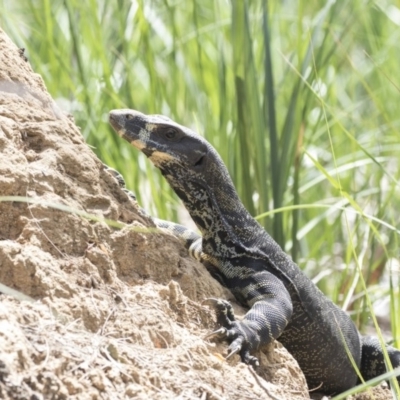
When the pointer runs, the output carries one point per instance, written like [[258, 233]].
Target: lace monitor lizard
[[283, 303]]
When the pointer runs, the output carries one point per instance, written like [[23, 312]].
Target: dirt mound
[[115, 313]]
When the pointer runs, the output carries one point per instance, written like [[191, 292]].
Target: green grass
[[299, 98]]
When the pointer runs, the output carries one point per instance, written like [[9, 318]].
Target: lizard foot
[[223, 310], [120, 179], [241, 337]]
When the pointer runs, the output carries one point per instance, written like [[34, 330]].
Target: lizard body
[[283, 303]]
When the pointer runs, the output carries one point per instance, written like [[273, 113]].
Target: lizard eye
[[170, 134]]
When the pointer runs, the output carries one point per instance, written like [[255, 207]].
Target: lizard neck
[[215, 207]]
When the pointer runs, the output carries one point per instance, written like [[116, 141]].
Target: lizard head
[[167, 144], [190, 164]]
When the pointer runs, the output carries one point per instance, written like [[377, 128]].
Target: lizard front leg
[[270, 311]]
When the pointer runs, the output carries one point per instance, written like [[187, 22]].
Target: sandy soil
[[112, 313]]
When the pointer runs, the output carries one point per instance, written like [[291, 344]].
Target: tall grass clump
[[299, 98]]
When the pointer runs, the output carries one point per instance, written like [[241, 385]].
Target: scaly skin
[[283, 303]]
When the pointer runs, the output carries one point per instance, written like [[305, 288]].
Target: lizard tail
[[373, 360]]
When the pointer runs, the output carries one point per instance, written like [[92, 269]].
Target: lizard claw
[[213, 302], [237, 346], [249, 359], [218, 332], [234, 347], [209, 301]]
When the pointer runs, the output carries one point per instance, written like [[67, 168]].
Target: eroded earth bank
[[114, 313]]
